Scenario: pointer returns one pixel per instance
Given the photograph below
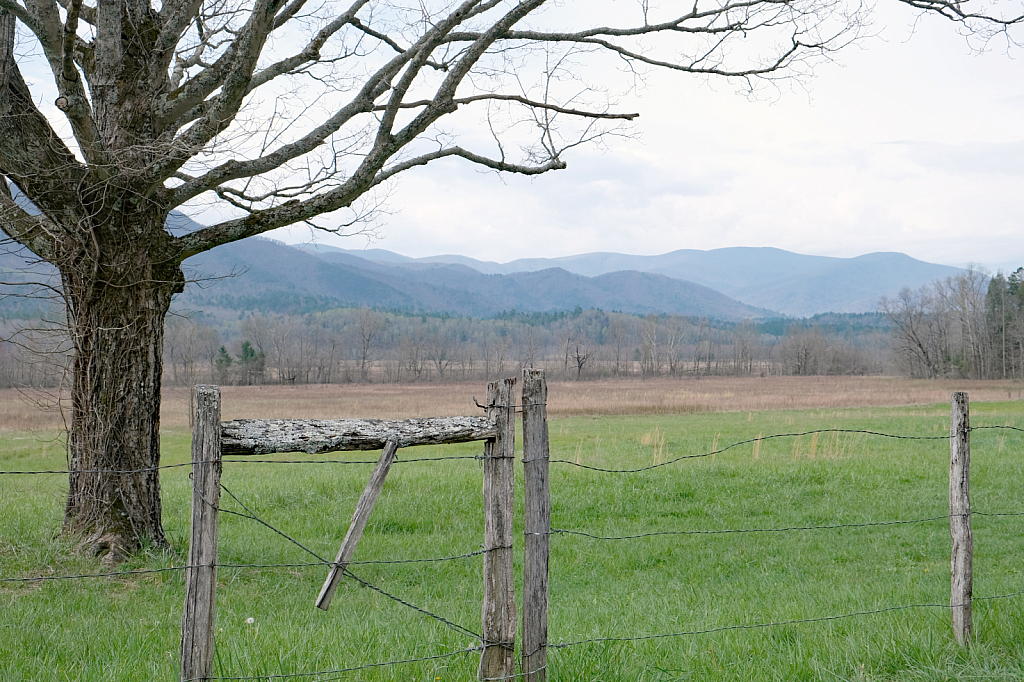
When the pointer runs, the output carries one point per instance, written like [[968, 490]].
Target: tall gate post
[[962, 561], [497, 661], [537, 503], [197, 621]]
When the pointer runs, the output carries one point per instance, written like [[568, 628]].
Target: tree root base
[[111, 549]]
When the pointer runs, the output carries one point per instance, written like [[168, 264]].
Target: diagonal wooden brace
[[358, 524]]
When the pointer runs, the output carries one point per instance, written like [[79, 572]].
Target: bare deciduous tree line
[[970, 325], [363, 345]]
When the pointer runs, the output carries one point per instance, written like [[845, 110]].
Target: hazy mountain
[[271, 276], [266, 275], [791, 283]]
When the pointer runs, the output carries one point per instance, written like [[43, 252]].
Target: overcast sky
[[912, 144]]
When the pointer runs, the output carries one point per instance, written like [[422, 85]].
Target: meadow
[[714, 605]]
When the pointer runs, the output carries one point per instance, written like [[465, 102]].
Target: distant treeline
[[365, 345], [970, 326]]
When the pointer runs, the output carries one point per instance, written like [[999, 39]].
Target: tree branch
[[22, 14], [34, 232], [87, 13], [493, 164], [955, 11], [534, 104], [32, 154]]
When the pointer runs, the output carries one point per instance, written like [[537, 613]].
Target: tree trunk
[[117, 330]]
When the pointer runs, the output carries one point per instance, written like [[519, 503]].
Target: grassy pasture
[[127, 628]]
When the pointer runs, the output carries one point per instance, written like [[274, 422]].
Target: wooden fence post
[[537, 503], [197, 620], [962, 562], [497, 661]]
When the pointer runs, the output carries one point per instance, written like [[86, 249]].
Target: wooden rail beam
[[316, 436]]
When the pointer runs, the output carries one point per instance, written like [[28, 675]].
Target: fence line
[[480, 458], [756, 626], [458, 628], [566, 645], [480, 552]]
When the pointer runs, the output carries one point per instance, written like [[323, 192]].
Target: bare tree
[[369, 326], [283, 112], [621, 334], [743, 348], [962, 298], [581, 355], [921, 337], [650, 362], [702, 335]]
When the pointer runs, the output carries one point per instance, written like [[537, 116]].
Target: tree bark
[[117, 331]]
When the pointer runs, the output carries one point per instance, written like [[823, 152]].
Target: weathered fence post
[[201, 574], [962, 562], [499, 606], [537, 503]]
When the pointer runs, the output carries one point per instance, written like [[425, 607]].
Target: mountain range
[[265, 275], [732, 283], [275, 277], [773, 279]]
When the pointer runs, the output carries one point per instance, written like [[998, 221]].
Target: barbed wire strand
[[142, 571], [118, 574], [561, 531], [996, 426], [441, 619], [742, 442], [454, 626], [104, 471], [480, 457], [756, 626]]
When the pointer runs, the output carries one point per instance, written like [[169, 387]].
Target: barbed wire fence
[[529, 669]]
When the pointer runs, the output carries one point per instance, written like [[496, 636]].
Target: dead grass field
[[21, 411]]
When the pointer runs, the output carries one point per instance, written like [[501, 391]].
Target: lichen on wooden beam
[[315, 436]]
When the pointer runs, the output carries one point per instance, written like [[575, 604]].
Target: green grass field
[[128, 628]]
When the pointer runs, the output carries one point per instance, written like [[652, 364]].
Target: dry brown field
[[24, 411]]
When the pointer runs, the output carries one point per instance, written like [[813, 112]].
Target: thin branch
[[522, 100]]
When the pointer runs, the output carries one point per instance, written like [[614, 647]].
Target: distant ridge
[[280, 278], [728, 284], [793, 284]]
